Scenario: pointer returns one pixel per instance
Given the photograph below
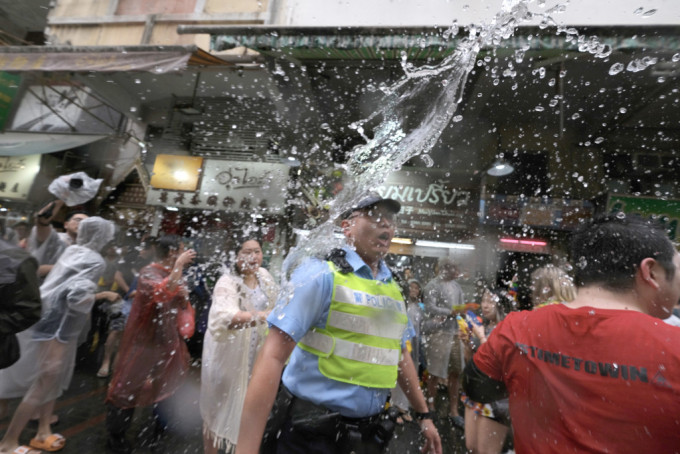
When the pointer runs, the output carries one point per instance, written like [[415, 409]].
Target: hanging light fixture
[[500, 168]]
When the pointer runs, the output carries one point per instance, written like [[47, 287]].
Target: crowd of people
[[345, 351]]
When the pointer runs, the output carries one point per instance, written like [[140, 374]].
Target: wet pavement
[[82, 418]]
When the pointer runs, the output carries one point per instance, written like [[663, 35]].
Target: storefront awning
[[156, 59], [416, 43], [28, 143]]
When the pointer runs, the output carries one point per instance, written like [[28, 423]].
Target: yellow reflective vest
[[361, 343]]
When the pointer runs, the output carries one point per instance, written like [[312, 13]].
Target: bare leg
[[21, 416], [44, 427], [208, 446], [453, 394], [36, 417], [491, 436], [52, 353], [432, 383], [110, 348], [471, 429]]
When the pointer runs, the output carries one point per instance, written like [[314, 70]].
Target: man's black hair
[[73, 213], [149, 242], [165, 244], [609, 251]]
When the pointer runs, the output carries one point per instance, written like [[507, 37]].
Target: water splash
[[408, 126]]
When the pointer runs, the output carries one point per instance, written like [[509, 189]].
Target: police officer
[[346, 327]]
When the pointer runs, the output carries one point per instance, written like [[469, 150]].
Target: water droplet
[[457, 118], [651, 12], [599, 140], [616, 68], [623, 110], [638, 11], [576, 116], [427, 159], [539, 108], [540, 71], [675, 57]]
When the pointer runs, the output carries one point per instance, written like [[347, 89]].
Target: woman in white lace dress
[[236, 327]]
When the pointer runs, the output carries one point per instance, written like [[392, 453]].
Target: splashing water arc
[[369, 165]]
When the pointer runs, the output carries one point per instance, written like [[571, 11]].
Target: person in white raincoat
[[67, 295], [236, 328]]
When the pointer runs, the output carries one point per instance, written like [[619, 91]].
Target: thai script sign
[[233, 187], [432, 201], [434, 193]]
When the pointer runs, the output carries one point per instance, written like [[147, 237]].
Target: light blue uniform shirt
[[308, 307]]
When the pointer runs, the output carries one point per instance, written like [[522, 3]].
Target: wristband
[[421, 416]]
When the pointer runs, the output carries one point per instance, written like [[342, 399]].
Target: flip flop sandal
[[54, 442], [23, 449]]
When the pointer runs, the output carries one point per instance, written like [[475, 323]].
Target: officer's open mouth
[[384, 240]]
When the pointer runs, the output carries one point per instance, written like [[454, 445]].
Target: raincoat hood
[[69, 289], [94, 233]]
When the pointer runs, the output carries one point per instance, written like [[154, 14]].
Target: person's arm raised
[[262, 390], [43, 219], [175, 277]]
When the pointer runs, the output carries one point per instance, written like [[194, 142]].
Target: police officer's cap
[[371, 200]]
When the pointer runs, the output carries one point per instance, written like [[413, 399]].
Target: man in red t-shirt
[[602, 373]]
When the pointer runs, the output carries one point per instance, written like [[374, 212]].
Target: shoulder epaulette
[[338, 257]]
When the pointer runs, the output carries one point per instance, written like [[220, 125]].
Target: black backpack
[[12, 285]]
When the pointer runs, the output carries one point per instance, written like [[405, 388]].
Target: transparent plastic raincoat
[[67, 297], [68, 291]]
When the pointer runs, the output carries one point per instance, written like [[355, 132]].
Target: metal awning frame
[[155, 59], [424, 42]]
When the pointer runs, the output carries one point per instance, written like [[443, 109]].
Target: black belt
[[310, 416]]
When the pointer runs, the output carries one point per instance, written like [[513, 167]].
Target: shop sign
[[666, 212], [430, 201], [175, 172], [547, 212], [231, 186], [17, 174]]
